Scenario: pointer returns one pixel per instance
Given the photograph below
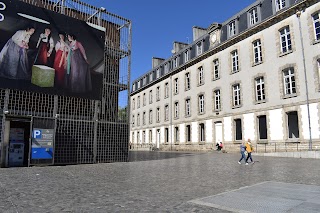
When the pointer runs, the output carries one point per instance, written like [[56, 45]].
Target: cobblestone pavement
[[151, 182]]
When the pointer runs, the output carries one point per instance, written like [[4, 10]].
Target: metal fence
[[281, 147]]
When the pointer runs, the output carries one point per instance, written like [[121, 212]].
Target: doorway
[[158, 139], [293, 125], [218, 132], [17, 141]]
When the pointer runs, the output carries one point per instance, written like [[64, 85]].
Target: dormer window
[[186, 56], [144, 81], [166, 68], [253, 16], [199, 48], [280, 4], [151, 77], [232, 28], [158, 73], [175, 62]]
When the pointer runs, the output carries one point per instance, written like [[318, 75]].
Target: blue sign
[[42, 144]]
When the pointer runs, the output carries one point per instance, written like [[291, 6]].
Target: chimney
[[177, 46], [156, 61], [198, 32]]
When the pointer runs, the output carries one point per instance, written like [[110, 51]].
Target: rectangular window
[[138, 120], [186, 56], [201, 104], [238, 128], [257, 51], [253, 16], [289, 82], [285, 40], [166, 68], [166, 135], [144, 99], [150, 136], [263, 130], [138, 138], [166, 111], [235, 61], [188, 133], [151, 77], [232, 28], [188, 107], [187, 81], [138, 104], [201, 76], [150, 97], [316, 25], [158, 73], [144, 137], [158, 114], [144, 118], [133, 120], [176, 109], [176, 134], [217, 101], [236, 95], [199, 48], [202, 133], [260, 92], [158, 93], [280, 4], [150, 117], [175, 62], [133, 104], [144, 81], [176, 86], [216, 74], [166, 90]]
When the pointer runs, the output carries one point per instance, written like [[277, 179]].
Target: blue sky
[[156, 24]]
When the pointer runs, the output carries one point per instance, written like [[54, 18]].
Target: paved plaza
[[166, 182]]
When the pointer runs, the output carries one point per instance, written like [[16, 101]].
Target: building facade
[[257, 76]]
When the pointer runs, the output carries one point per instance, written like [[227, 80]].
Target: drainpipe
[[170, 109], [298, 13]]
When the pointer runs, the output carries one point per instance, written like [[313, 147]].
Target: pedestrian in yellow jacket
[[249, 149]]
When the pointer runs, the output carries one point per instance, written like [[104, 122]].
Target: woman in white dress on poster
[[14, 62]]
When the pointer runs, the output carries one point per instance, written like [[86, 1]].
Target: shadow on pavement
[[150, 155]]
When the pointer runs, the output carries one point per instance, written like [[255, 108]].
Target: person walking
[[249, 150], [242, 151]]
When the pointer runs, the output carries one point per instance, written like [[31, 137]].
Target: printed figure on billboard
[[80, 79], [60, 62], [14, 62], [45, 47]]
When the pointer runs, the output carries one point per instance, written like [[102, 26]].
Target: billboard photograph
[[44, 51]]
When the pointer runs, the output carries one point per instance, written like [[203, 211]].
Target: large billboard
[[44, 51]]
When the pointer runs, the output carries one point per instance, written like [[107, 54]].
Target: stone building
[[254, 76]]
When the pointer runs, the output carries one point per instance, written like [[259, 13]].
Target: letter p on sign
[[36, 133]]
